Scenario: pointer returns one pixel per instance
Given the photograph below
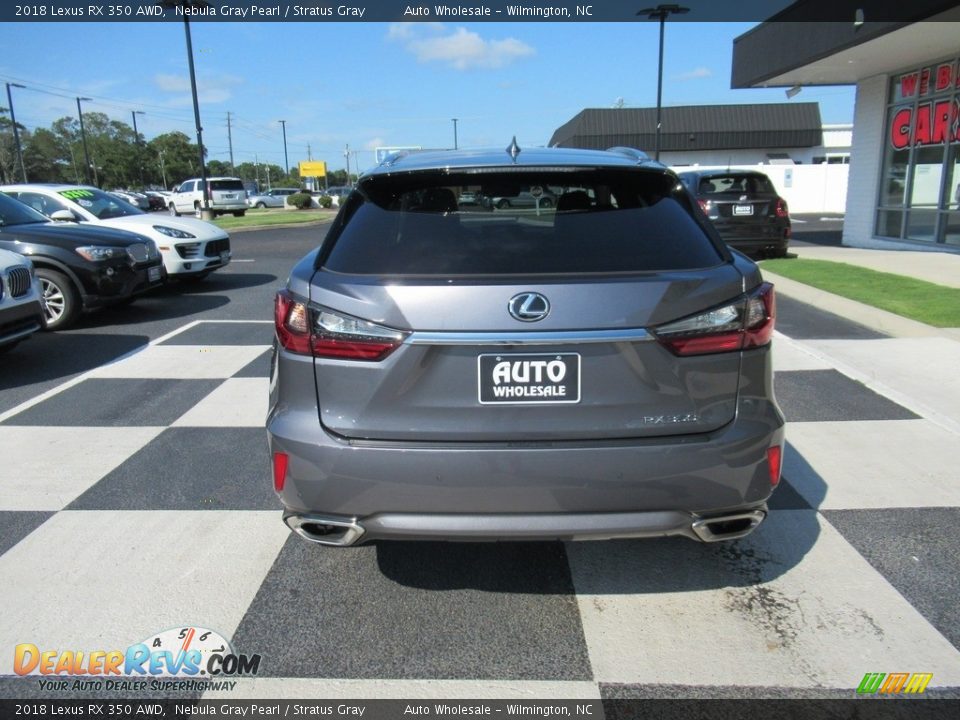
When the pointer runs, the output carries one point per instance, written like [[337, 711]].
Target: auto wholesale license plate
[[153, 273], [528, 379], [743, 209]]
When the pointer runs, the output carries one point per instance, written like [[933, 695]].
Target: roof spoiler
[[639, 155]]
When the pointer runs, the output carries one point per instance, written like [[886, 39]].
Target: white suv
[[225, 195], [21, 300]]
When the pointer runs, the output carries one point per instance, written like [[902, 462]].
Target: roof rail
[[639, 155]]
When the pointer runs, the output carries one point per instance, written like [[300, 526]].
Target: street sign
[[313, 168]]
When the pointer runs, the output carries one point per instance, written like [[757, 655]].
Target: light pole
[[136, 143], [286, 161], [661, 13], [454, 133], [16, 133], [198, 5], [83, 137]]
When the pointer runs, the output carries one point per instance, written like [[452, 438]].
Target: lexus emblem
[[529, 306]]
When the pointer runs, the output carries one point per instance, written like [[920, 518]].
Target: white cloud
[[695, 74], [211, 92], [461, 49]]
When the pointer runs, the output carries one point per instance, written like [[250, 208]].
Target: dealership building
[[904, 178]]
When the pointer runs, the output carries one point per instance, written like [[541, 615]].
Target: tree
[[9, 167], [176, 155], [46, 157]]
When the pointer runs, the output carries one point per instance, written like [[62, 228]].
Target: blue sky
[[371, 84]]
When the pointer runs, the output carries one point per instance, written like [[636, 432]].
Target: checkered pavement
[[136, 498]]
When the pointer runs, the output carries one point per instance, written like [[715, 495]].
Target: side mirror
[[63, 216]]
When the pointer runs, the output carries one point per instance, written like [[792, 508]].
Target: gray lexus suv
[[597, 369]]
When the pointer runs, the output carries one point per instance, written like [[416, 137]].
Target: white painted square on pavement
[[103, 580], [46, 468], [237, 402], [873, 464], [823, 618], [184, 362]]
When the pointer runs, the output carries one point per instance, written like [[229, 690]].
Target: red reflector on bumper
[[279, 470], [774, 456]]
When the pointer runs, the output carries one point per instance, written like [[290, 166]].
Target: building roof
[[799, 46], [695, 127]]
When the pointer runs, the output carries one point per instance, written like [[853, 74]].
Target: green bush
[[301, 200], [325, 201]]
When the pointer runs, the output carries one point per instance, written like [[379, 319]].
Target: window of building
[[919, 193]]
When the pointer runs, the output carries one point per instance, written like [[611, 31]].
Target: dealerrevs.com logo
[[196, 654]]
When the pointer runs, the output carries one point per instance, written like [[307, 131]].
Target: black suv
[[744, 207], [80, 267]]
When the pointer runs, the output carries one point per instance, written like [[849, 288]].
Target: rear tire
[[61, 298], [503, 204], [260, 206]]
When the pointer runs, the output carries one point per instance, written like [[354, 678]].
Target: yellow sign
[[313, 168]]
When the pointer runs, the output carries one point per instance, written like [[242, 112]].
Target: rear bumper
[[531, 490]]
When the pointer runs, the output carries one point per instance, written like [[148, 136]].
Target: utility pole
[[455, 146], [16, 132], [286, 160], [163, 170], [661, 13], [230, 141], [83, 137], [136, 142], [256, 170], [309, 153]]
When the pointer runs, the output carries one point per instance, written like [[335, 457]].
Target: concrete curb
[[874, 318]]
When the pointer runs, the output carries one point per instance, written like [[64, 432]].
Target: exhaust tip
[[727, 527], [325, 530]]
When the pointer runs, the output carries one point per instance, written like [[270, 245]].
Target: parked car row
[[88, 249]]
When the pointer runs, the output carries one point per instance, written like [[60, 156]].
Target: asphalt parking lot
[[138, 499]]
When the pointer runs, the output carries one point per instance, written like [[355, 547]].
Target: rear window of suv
[[227, 185], [583, 221], [749, 184]]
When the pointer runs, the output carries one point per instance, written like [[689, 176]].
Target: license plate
[[224, 255], [153, 274], [528, 379], [229, 196], [743, 209]]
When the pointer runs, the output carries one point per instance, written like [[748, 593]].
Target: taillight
[[704, 205], [745, 323], [327, 334], [781, 208]]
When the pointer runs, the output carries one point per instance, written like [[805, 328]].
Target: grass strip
[[925, 302], [266, 218]]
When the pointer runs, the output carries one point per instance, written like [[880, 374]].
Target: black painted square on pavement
[[15, 525], [805, 322], [190, 469], [915, 549], [418, 610], [116, 402], [224, 333], [258, 367], [825, 395]]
